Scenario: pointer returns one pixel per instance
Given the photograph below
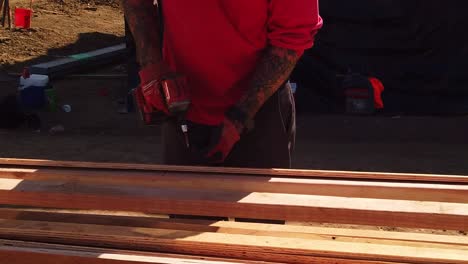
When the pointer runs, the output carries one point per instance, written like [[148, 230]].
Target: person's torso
[[216, 44]]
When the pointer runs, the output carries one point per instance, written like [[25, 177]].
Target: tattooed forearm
[[143, 20], [272, 71]]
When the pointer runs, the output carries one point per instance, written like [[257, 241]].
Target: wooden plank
[[291, 207], [243, 171], [222, 245], [63, 66], [457, 193], [319, 233], [20, 255], [43, 253], [22, 252]]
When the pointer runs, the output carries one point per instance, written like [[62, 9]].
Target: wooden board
[[318, 233], [239, 171], [22, 252], [456, 193], [292, 207], [281, 249], [261, 194], [60, 67]]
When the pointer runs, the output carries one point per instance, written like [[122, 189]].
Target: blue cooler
[[32, 90]]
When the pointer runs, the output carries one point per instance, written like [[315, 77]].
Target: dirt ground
[[60, 28], [94, 131]]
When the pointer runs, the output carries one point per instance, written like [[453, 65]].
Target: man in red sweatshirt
[[237, 56]]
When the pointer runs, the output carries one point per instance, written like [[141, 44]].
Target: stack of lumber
[[99, 213]]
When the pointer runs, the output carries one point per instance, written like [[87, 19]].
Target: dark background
[[418, 48]]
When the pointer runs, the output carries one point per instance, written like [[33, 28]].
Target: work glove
[[148, 95], [162, 93], [223, 139]]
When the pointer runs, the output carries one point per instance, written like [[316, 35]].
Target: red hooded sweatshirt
[[217, 43]]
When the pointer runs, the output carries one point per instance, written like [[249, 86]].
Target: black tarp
[[418, 48]]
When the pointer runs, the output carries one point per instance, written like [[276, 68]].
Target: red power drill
[[170, 93]]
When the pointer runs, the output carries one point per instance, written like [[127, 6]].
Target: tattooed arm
[[143, 20], [272, 72], [292, 26]]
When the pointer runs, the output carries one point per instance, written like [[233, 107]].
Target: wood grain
[[291, 207], [22, 252], [365, 198], [222, 245], [456, 193], [291, 231], [243, 171]]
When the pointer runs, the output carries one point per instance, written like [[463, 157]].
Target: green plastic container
[[51, 97]]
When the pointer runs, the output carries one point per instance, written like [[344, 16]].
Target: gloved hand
[[222, 141], [148, 94]]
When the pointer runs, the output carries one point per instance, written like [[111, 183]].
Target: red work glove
[[149, 93], [222, 141]]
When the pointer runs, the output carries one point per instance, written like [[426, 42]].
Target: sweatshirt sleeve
[[293, 24]]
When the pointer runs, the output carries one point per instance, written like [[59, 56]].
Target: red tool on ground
[[363, 94]]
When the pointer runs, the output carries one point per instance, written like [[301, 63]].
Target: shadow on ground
[[86, 42]]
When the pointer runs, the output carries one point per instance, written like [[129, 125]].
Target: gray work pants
[[268, 145]]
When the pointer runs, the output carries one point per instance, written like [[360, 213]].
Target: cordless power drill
[[159, 100]]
